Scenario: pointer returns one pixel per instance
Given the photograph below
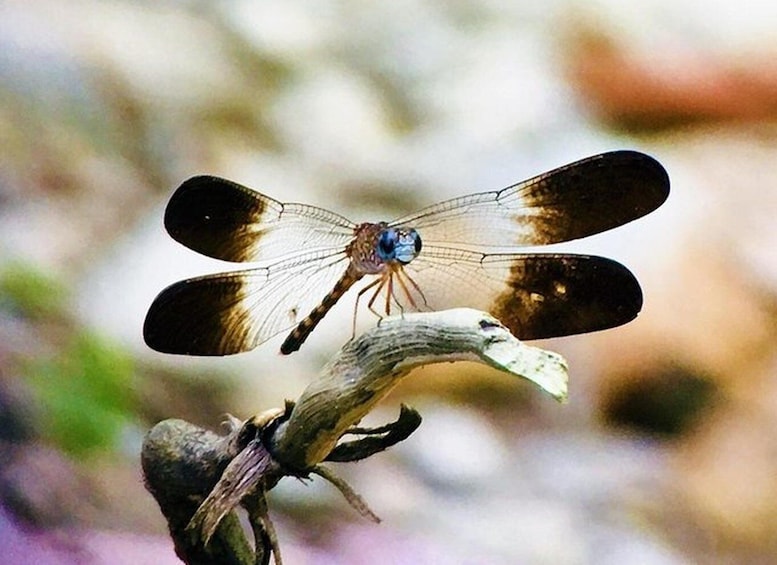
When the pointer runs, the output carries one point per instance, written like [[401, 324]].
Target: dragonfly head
[[402, 245]]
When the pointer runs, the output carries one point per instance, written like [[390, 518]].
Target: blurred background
[[667, 450]]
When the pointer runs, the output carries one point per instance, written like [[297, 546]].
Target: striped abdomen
[[300, 333]]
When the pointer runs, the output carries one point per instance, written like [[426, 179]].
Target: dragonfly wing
[[580, 199], [537, 296], [225, 220], [228, 313]]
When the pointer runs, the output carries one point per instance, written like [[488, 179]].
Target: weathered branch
[[181, 465], [199, 478], [366, 369]]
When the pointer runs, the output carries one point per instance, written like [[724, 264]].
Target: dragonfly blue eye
[[408, 245], [399, 245], [387, 243]]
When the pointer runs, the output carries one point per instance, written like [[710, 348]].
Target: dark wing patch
[[228, 313], [202, 316], [535, 295], [590, 196], [556, 295], [225, 220], [581, 199]]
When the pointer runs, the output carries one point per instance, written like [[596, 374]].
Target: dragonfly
[[460, 252]]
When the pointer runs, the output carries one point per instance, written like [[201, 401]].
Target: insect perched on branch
[[460, 252]]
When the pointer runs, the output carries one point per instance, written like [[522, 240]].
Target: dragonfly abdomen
[[300, 333]]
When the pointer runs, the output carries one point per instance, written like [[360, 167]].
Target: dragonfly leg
[[402, 276], [389, 294], [394, 297], [419, 291], [383, 280], [380, 282]]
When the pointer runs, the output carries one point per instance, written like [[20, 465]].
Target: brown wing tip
[[194, 318], [208, 214], [575, 294], [649, 172], [187, 202]]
